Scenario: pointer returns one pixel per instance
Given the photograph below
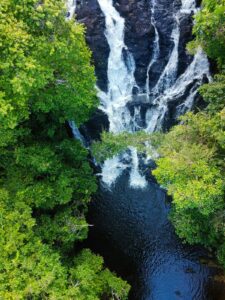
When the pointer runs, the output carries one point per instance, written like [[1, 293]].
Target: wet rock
[[139, 38], [92, 129], [198, 3], [89, 13], [164, 23], [186, 22], [139, 33]]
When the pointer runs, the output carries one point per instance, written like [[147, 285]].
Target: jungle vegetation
[[46, 182]]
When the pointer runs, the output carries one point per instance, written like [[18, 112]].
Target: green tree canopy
[[209, 29], [46, 181]]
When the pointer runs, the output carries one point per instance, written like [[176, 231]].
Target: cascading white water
[[71, 7], [168, 87], [76, 133], [136, 179], [112, 169], [188, 6], [196, 72], [156, 49], [169, 74], [120, 85], [120, 73], [121, 82], [136, 119]]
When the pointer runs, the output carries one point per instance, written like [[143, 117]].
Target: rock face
[[93, 127], [89, 13], [185, 37], [139, 33], [142, 18]]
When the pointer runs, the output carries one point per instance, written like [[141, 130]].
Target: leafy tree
[[44, 67], [192, 161], [30, 269], [209, 29], [192, 168], [46, 182], [112, 144]]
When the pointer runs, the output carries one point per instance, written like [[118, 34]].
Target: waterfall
[[112, 169], [121, 82], [120, 73], [196, 72], [71, 7], [136, 179], [188, 6], [136, 119], [169, 74], [76, 133], [121, 68], [156, 49], [169, 87], [169, 90]]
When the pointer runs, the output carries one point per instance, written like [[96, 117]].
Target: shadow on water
[[132, 232]]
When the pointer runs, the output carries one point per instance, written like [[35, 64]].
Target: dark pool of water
[[132, 232]]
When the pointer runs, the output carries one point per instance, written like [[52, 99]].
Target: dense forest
[[46, 182], [190, 157], [46, 80]]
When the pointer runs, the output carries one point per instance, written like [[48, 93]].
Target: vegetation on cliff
[[192, 163]]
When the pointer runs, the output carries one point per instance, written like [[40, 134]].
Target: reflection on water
[[134, 235]]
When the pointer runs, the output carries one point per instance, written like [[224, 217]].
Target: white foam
[[71, 7], [112, 169], [136, 179], [120, 71], [156, 49]]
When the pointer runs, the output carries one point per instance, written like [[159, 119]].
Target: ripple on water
[[134, 235]]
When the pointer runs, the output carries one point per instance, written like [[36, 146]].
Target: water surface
[[132, 231]]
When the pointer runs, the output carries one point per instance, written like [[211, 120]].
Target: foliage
[[112, 144], [93, 280], [192, 162], [192, 168], [209, 29], [46, 181], [44, 66], [31, 269]]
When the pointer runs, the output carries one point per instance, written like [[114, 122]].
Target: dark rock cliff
[[89, 13], [139, 35], [139, 38]]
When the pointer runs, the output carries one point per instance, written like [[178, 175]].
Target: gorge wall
[[155, 34]]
